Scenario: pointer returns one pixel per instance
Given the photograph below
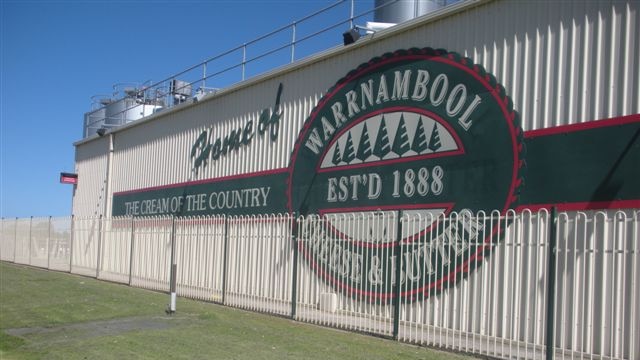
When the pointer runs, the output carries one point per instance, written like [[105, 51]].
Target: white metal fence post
[[100, 234], [131, 249], [294, 275], [635, 293], [225, 260], [30, 240], [71, 243], [173, 269], [49, 245], [397, 290], [551, 291], [15, 239]]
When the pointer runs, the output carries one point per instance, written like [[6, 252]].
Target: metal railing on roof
[[227, 68]]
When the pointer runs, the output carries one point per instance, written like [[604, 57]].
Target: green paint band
[[576, 167]]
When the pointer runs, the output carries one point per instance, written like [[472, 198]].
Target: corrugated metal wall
[[562, 62], [91, 167]]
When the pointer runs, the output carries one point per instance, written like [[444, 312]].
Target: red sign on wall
[[68, 178]]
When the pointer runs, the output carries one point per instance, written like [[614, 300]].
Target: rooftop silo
[[392, 11]]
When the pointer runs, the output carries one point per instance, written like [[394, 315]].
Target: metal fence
[[525, 286], [41, 242]]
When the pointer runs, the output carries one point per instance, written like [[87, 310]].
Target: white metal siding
[[562, 62], [91, 167], [162, 148]]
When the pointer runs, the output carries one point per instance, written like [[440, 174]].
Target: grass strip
[[53, 315]]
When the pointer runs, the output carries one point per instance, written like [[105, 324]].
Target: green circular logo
[[417, 132]]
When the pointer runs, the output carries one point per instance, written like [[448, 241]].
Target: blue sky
[[55, 55]]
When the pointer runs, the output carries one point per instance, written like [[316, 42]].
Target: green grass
[[50, 315]]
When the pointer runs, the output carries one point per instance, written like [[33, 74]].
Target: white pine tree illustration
[[382, 147], [419, 138], [401, 141], [337, 157], [349, 151], [364, 147], [434, 141]]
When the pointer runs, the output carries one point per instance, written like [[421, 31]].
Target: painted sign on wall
[[210, 146], [418, 131]]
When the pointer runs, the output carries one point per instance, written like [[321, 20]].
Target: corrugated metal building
[[389, 124], [560, 62]]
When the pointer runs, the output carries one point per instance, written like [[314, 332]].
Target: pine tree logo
[[349, 151], [409, 140], [382, 147], [401, 141], [336, 155], [364, 147], [434, 141], [419, 139]]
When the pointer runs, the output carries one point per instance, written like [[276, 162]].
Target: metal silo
[[400, 11], [93, 121], [134, 105]]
